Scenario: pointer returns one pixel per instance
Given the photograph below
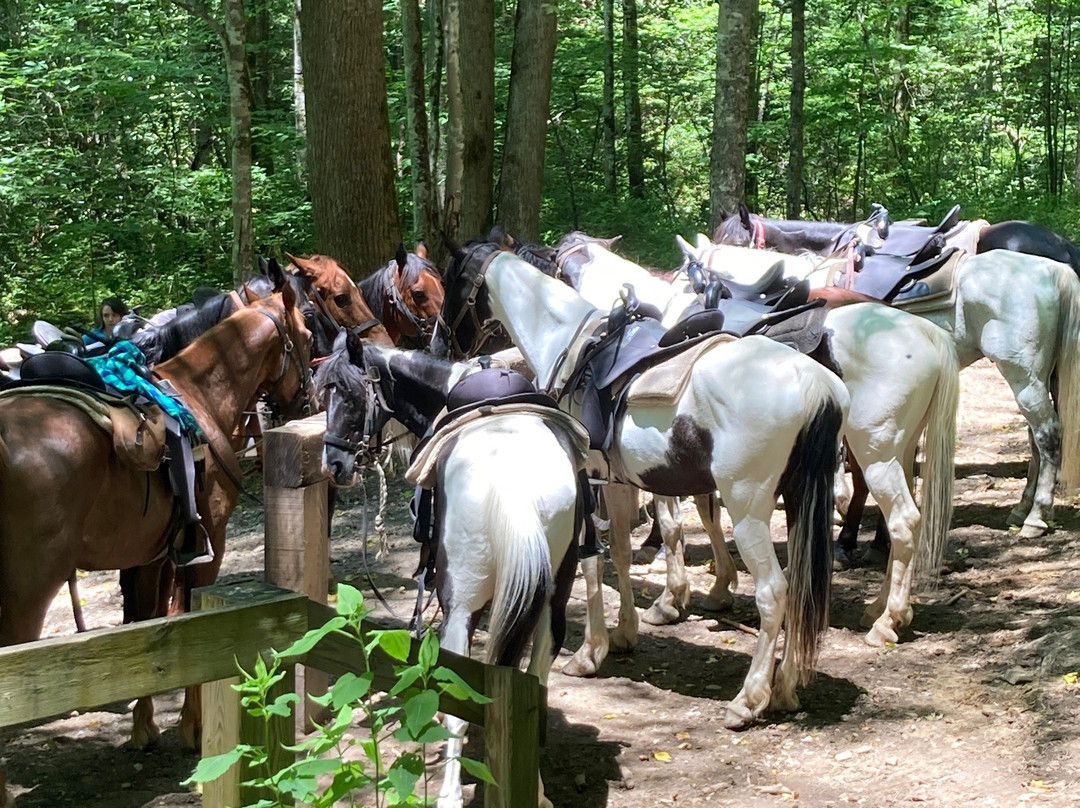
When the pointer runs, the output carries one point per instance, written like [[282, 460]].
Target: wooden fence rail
[[236, 623]]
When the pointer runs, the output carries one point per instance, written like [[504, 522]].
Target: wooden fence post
[[512, 737], [226, 724], [297, 543]]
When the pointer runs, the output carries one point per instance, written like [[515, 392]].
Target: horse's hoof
[[719, 601], [784, 702], [644, 555], [581, 665], [1017, 516], [842, 559], [661, 614], [879, 635], [622, 644], [738, 717], [189, 736], [1033, 529], [870, 615], [659, 562], [145, 737], [875, 558]]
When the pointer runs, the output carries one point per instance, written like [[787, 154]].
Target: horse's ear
[[288, 294], [355, 344], [420, 250], [274, 272], [401, 255], [341, 341], [263, 266], [744, 216], [723, 214], [302, 266], [496, 235], [684, 245]]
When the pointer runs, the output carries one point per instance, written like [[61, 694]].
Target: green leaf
[[396, 643], [429, 651], [212, 768], [311, 639], [477, 770], [404, 774], [461, 689], [420, 709], [405, 679], [350, 688], [350, 600]]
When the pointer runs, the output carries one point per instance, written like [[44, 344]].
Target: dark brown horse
[[406, 294], [67, 501]]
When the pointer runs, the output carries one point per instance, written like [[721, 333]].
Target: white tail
[[1068, 375]]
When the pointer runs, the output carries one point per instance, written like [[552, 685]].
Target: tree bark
[[240, 100], [455, 125], [424, 212], [795, 119], [261, 68], [348, 147], [521, 181], [635, 150], [727, 162], [299, 101], [477, 33], [607, 114]]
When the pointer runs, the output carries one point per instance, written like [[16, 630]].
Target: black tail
[[807, 487]]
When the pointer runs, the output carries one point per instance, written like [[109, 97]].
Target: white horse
[[902, 375], [754, 419], [508, 490], [1022, 312]]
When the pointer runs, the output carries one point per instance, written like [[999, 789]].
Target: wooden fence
[[235, 623]]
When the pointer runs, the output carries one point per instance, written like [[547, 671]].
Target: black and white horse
[[506, 495]]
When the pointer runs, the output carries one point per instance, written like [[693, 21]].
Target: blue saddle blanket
[[124, 368]]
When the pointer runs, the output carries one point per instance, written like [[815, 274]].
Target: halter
[[289, 350], [398, 302], [485, 329]]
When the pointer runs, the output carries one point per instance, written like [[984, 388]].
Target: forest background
[[150, 146]]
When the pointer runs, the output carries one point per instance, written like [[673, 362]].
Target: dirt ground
[[975, 705]]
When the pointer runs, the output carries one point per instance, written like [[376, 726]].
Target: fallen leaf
[[685, 736], [1074, 595], [1070, 677], [662, 756], [608, 715]]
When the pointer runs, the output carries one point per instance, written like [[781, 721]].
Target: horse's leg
[[142, 591], [587, 659], [720, 597], [540, 667], [892, 609], [622, 503], [456, 633], [848, 539], [668, 607], [1019, 513], [750, 516], [1033, 397]]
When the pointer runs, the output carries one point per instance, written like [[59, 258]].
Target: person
[[111, 312]]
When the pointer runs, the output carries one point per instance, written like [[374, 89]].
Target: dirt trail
[[972, 707]]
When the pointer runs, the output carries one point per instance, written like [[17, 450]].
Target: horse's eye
[[343, 300], [419, 297]]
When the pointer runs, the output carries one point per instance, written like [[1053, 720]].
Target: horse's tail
[[807, 487], [522, 559], [1068, 375], [939, 449]]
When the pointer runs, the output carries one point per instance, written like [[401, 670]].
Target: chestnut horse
[[406, 294], [335, 293], [64, 492]]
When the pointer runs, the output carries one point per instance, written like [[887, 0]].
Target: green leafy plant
[[324, 772]]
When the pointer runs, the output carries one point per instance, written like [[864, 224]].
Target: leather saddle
[[910, 239]]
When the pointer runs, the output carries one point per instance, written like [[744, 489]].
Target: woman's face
[[109, 318]]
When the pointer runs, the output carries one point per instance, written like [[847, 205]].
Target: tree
[[477, 75], [727, 171], [522, 176], [607, 114], [425, 208], [635, 150], [795, 121], [348, 147]]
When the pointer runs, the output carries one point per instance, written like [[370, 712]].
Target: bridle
[[394, 295], [485, 329], [290, 354]]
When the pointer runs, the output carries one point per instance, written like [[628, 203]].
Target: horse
[[406, 294], [65, 493], [339, 296], [902, 377], [507, 488], [1022, 312], [714, 433]]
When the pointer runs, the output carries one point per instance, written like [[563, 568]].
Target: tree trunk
[[455, 124], [348, 151], [521, 181], [795, 120], [635, 151], [260, 65], [299, 102], [424, 213], [607, 114], [727, 162], [240, 97], [477, 34]]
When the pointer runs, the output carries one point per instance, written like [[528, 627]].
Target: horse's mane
[[576, 237], [168, 340], [337, 370]]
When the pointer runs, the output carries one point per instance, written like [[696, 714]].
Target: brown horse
[[339, 298], [67, 501], [406, 294]]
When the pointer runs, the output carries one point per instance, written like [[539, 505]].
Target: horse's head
[[466, 325], [355, 416], [341, 298], [416, 290], [736, 230], [271, 276], [287, 388]]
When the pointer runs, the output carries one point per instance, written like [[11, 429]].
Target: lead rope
[[363, 546], [380, 515]]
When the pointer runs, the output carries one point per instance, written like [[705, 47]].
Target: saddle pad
[[663, 384], [425, 460], [966, 237], [803, 332], [942, 292]]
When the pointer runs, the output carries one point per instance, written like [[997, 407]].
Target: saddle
[[909, 239]]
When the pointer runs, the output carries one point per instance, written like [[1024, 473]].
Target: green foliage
[[324, 771]]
